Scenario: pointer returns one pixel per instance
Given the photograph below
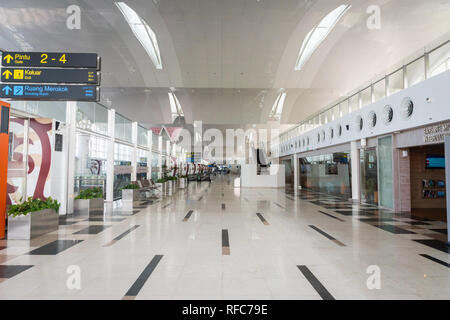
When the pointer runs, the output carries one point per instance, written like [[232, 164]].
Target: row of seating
[[147, 186]]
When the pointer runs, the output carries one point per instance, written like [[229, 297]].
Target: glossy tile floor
[[213, 241]]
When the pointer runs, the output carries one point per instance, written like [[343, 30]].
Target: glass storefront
[[90, 161], [327, 173], [122, 168]]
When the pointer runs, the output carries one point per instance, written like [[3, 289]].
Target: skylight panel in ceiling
[[318, 34], [142, 32]]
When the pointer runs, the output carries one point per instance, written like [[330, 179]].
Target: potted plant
[[162, 182], [182, 181], [33, 218], [130, 192], [173, 183], [89, 201]]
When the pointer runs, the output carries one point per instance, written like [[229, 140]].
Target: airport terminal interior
[[225, 150]]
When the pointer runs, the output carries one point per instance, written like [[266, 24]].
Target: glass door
[[369, 176], [385, 172]]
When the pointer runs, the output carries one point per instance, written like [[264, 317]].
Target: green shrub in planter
[[161, 180], [131, 187], [32, 205], [172, 178], [91, 193]]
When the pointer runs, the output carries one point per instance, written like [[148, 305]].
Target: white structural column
[[110, 156], [71, 122], [134, 133], [160, 144], [354, 155], [150, 153], [447, 178], [296, 177]]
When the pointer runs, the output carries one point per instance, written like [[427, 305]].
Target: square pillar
[[71, 122], [134, 133], [150, 153], [110, 156], [356, 176]]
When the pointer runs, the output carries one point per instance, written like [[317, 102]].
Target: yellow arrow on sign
[[7, 73], [8, 58]]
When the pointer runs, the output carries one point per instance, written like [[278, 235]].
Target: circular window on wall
[[372, 119], [359, 123], [323, 135], [339, 130], [407, 108], [388, 114], [318, 137], [307, 141], [331, 133]]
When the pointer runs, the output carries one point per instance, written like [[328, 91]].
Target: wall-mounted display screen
[[435, 162]]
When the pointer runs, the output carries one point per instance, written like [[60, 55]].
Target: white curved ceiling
[[227, 60]]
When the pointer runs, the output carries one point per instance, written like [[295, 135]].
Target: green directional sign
[[50, 59], [49, 75]]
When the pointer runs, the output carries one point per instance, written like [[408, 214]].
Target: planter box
[[88, 206], [130, 198], [130, 194], [33, 224]]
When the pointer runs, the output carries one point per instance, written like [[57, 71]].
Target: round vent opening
[[359, 123], [323, 135], [407, 107], [388, 114], [331, 133], [372, 119], [339, 130]]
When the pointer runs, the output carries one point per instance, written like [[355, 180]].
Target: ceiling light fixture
[[318, 34], [142, 32]]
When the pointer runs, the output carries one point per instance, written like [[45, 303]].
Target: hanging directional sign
[[49, 92], [48, 75], [50, 59]]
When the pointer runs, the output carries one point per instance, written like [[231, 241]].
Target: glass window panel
[[343, 108], [142, 136], [101, 119], [415, 72], [366, 97], [439, 60], [379, 90], [396, 82], [353, 103]]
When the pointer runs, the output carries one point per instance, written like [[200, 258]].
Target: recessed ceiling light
[[318, 34], [142, 32]]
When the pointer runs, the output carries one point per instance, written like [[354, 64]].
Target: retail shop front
[[327, 171], [421, 164]]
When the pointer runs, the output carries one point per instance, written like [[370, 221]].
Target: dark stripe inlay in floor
[[140, 281], [316, 284], [92, 229], [188, 215], [331, 216], [436, 260], [54, 247], [260, 216], [327, 236], [225, 243], [9, 271]]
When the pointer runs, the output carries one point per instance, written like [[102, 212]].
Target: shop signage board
[[50, 76], [49, 92]]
